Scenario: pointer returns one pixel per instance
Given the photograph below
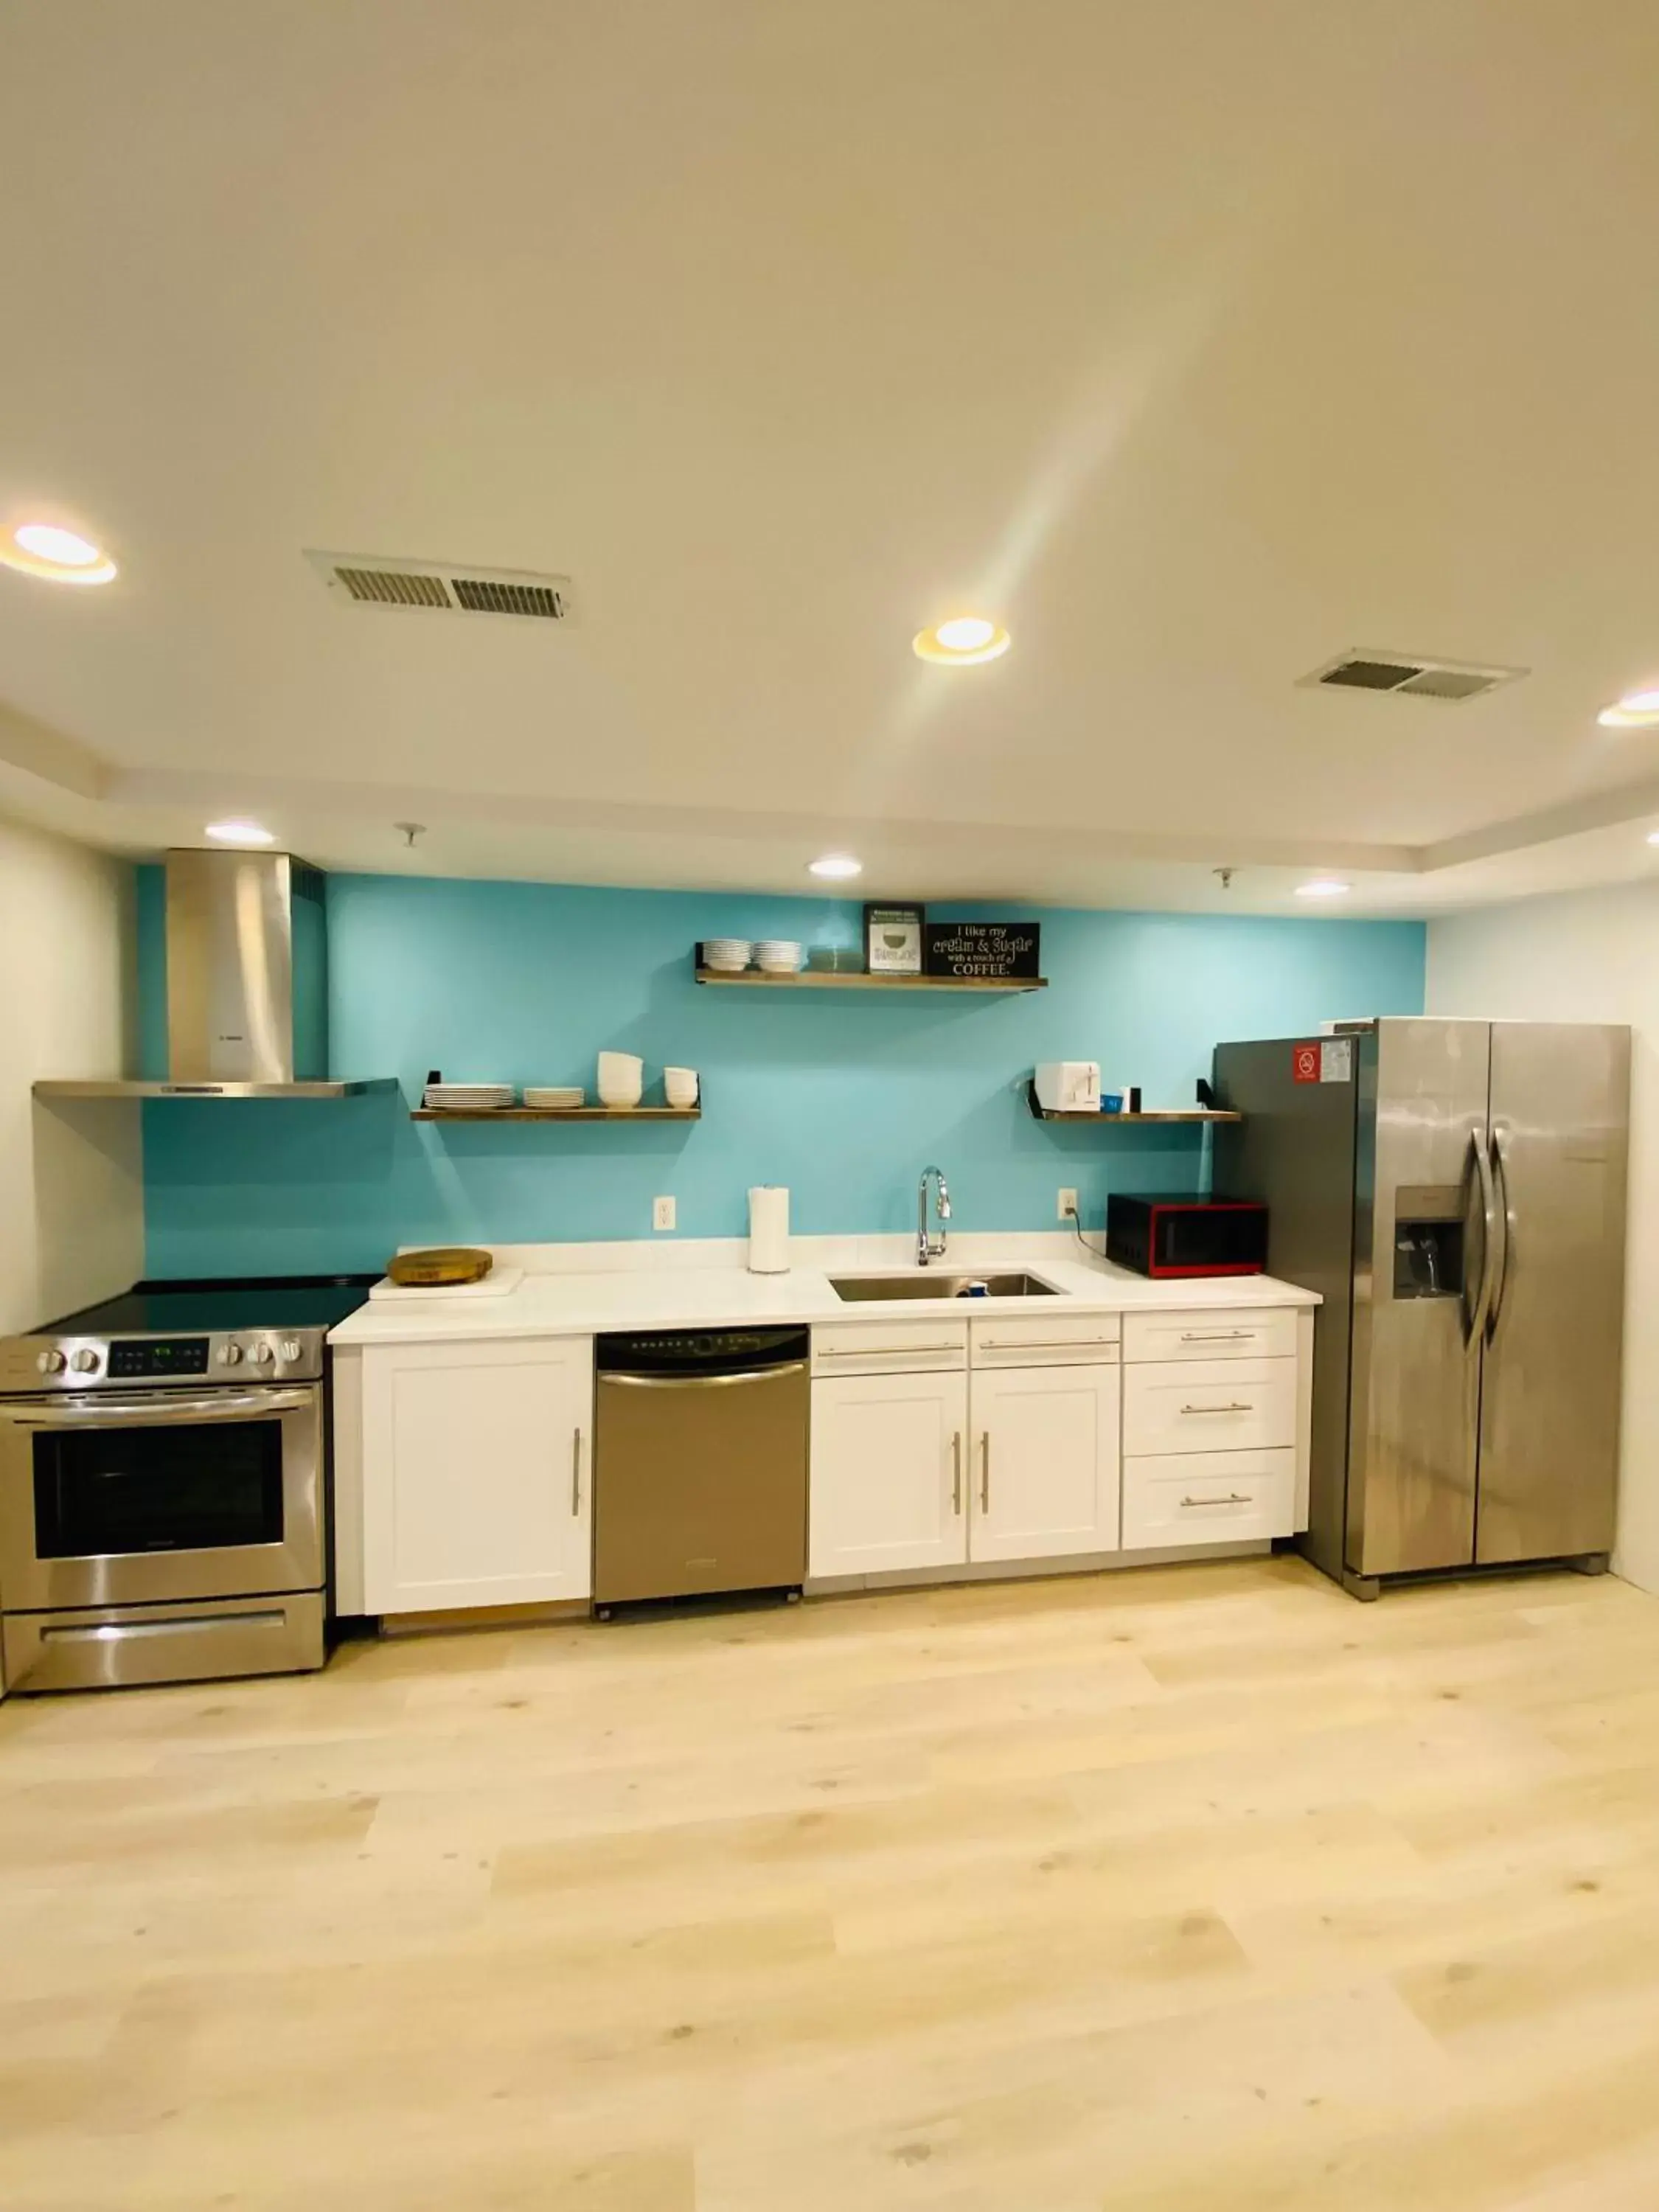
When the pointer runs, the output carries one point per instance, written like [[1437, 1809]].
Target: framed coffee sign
[[993, 951], [892, 939]]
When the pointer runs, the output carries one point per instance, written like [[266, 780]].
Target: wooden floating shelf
[[826, 979], [1198, 1114], [560, 1114], [1121, 1120]]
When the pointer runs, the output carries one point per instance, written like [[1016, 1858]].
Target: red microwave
[[1185, 1236]]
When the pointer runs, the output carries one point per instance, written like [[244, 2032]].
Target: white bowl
[[621, 1078]]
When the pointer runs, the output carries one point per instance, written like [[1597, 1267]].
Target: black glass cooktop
[[239, 1302]]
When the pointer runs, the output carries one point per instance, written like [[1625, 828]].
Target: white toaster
[[1069, 1086]]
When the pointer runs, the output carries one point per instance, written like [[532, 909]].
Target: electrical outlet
[[1067, 1206], [662, 1214]]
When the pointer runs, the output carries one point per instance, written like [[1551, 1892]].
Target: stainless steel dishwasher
[[700, 1462]]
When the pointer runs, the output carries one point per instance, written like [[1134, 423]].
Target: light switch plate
[[1068, 1207], [662, 1214]]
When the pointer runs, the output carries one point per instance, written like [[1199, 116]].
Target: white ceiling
[[1197, 341]]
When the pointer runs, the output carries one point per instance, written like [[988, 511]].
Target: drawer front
[[1209, 1405], [1208, 1498], [1047, 1340], [889, 1347], [1241, 1333]]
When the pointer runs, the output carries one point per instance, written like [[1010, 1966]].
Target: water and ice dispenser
[[1428, 1240]]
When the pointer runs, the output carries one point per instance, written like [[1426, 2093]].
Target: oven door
[[159, 1495]]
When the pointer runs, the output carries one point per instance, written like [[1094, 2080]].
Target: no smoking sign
[[1329, 1061]]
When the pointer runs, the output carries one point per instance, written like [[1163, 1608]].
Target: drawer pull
[[1233, 1497], [1044, 1344], [1237, 1406], [881, 1351], [125, 1631], [1217, 1335]]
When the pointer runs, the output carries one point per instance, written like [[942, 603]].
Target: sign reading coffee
[[993, 951]]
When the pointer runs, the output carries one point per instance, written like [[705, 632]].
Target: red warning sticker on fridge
[[1329, 1061]]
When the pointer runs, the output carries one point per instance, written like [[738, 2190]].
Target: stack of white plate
[[730, 955], [469, 1097], [778, 955], [554, 1098]]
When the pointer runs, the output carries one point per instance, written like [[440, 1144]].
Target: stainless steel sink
[[926, 1284]]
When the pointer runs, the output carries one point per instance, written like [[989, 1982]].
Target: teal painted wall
[[842, 1096]]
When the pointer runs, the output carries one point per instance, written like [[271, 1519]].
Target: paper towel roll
[[769, 1229]]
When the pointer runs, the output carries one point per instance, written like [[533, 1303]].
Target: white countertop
[[654, 1288]]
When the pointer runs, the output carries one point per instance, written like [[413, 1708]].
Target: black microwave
[[1184, 1236]]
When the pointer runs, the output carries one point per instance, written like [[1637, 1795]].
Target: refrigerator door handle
[[1476, 1315], [1500, 1173]]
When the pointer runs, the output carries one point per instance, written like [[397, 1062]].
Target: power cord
[[1077, 1230]]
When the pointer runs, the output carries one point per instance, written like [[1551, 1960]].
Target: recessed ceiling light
[[835, 864], [64, 546], [62, 556], [1653, 836], [1323, 887], [239, 833], [961, 642], [1635, 711]]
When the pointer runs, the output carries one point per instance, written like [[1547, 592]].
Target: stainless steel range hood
[[248, 984]]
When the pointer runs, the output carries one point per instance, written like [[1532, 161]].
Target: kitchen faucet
[[926, 1248]]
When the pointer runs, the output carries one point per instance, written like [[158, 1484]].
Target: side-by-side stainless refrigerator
[[1455, 1190]]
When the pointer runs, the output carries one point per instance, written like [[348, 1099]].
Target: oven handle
[[155, 1412]]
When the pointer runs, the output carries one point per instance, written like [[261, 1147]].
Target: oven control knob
[[290, 1349], [85, 1363], [230, 1355], [262, 1355], [51, 1362]]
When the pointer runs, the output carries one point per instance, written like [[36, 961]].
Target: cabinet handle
[[984, 1472], [880, 1351], [1233, 1497], [576, 1473], [1044, 1344], [1237, 1406], [1216, 1335], [956, 1475]]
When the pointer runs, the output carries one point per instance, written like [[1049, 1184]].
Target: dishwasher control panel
[[700, 1351]]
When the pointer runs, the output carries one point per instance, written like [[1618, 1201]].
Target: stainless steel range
[[162, 1485]]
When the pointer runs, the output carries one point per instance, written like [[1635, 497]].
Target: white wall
[[1588, 956], [71, 1190]]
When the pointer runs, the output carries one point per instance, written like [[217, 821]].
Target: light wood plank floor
[[1197, 1887]]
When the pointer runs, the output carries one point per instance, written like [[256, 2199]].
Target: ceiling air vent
[[1414, 674], [368, 580]]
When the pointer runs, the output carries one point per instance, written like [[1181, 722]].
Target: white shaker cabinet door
[[476, 1473], [1044, 1469], [889, 1472]]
